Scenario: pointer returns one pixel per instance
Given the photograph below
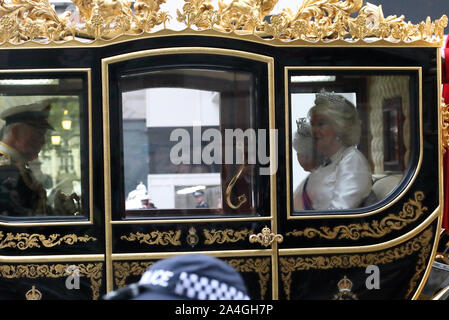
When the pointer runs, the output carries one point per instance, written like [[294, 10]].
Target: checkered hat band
[[196, 287]]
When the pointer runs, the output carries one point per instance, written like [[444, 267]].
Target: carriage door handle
[[266, 237]]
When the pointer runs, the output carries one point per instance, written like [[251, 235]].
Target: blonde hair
[[341, 113]]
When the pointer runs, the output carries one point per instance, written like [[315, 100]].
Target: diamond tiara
[[303, 127], [331, 97]]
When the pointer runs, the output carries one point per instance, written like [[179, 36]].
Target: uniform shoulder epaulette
[[5, 159]]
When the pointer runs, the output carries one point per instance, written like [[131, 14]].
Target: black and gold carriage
[[145, 116]]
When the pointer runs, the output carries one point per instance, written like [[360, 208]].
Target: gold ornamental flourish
[[226, 235], [266, 237], [241, 198], [314, 21], [23, 241], [445, 125], [421, 244], [92, 271], [262, 266], [411, 211], [155, 238], [123, 270]]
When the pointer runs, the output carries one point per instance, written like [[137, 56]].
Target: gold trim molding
[[227, 235], [155, 238], [24, 241], [444, 125], [411, 211], [421, 244], [259, 265], [22, 21], [92, 271], [123, 270]]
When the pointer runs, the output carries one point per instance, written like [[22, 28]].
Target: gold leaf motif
[[23, 241], [91, 271], [226, 235], [410, 212], [155, 238], [445, 125], [315, 20], [421, 244], [122, 270], [266, 237], [25, 20], [262, 266], [147, 15]]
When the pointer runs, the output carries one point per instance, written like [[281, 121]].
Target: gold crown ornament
[[33, 294], [344, 290]]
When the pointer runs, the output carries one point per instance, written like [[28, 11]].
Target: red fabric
[[446, 155]]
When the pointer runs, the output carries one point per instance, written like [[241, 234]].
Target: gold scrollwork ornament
[[411, 211], [155, 238], [445, 125], [315, 20], [266, 237], [242, 199], [23, 241], [226, 235]]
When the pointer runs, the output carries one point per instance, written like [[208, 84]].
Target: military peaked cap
[[35, 114]]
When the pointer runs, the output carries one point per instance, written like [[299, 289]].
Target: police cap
[[198, 193]]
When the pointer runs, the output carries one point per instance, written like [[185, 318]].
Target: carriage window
[[40, 148], [350, 138], [174, 129]]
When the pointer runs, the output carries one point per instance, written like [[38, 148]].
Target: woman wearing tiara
[[343, 180], [307, 157]]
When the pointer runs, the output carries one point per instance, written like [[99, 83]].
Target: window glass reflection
[[174, 124], [350, 145], [40, 159]]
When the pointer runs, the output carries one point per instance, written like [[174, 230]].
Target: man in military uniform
[[21, 194]]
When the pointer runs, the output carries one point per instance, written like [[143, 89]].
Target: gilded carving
[[91, 271], [445, 125], [421, 244], [23, 241], [147, 15], [411, 211], [315, 20], [241, 198], [344, 290], [262, 266], [33, 294], [123, 270], [198, 13], [192, 238], [226, 235], [266, 237], [155, 238], [22, 20]]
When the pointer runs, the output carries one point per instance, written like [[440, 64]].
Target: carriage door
[[187, 158]]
